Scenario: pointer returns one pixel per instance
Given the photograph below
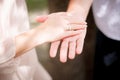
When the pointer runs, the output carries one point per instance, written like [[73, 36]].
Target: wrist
[[39, 36], [28, 40], [79, 12]]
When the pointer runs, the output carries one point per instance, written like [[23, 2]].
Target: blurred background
[[81, 67]]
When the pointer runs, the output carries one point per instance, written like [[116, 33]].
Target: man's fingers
[[42, 18], [79, 46], [80, 42], [77, 26], [63, 51], [72, 47], [54, 48]]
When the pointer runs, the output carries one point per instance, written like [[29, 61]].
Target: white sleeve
[[7, 53], [7, 49], [13, 21], [7, 40]]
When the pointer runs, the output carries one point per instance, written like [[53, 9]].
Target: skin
[[72, 45], [53, 29]]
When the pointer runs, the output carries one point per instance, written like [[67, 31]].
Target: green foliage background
[[36, 4]]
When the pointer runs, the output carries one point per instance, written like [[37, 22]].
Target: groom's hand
[[69, 46]]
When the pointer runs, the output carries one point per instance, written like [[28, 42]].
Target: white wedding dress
[[14, 21]]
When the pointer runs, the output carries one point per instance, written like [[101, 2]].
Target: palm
[[69, 46]]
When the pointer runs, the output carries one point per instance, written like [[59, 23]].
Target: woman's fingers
[[71, 27], [75, 20]]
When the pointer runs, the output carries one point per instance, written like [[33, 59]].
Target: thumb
[[41, 18]]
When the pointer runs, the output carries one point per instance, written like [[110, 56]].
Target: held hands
[[58, 27], [70, 29]]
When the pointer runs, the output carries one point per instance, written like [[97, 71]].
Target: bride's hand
[[58, 27]]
